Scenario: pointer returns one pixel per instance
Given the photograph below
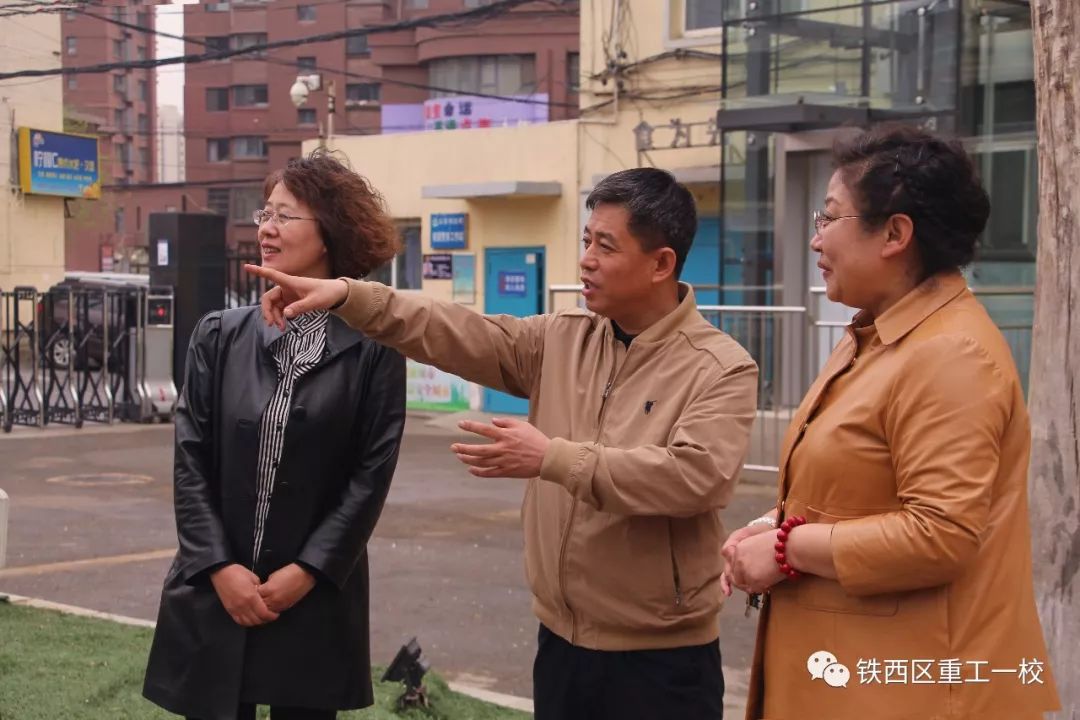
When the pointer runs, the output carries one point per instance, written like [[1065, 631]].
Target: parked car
[[87, 319]]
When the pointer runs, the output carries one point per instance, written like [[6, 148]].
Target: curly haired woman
[[286, 442]]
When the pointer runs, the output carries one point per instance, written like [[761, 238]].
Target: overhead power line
[[481, 13], [36, 7]]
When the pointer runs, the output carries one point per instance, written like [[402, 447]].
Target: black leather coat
[[340, 449]]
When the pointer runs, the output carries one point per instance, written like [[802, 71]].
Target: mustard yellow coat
[[914, 443]]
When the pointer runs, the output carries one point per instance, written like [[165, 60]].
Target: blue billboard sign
[[52, 163], [448, 231]]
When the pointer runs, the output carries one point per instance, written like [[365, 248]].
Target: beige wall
[[31, 227], [401, 165], [647, 29]]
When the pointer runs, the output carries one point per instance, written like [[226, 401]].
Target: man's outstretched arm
[[500, 351]]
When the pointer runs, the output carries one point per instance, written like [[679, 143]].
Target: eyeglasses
[[822, 219], [280, 219]]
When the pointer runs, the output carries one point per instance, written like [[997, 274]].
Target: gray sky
[[170, 78]]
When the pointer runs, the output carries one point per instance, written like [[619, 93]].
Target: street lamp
[[306, 84]]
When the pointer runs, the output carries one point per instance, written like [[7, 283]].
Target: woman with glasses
[[896, 563], [286, 442]]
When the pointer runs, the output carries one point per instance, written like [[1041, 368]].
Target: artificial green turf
[[61, 667]]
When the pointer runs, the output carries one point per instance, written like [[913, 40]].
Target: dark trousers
[[247, 712], [573, 683]]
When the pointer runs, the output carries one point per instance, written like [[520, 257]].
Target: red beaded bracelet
[[781, 545]]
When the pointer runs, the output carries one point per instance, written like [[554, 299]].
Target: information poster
[[465, 279]]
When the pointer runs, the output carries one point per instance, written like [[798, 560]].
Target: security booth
[[159, 392]]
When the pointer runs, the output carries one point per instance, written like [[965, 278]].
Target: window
[[118, 13], [142, 19], [703, 14], [118, 119], [405, 270], [118, 220], [217, 200], [305, 63], [477, 3], [249, 95], [143, 90], [144, 158], [72, 82], [217, 149], [244, 202], [217, 99], [573, 72], [140, 52], [1010, 175], [144, 123], [488, 74], [362, 93], [217, 7], [119, 49], [217, 43], [119, 83], [248, 147], [246, 40], [418, 4], [305, 13], [70, 15], [306, 116], [72, 45], [124, 153], [357, 45]]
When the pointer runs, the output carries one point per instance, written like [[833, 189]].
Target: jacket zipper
[[574, 501]]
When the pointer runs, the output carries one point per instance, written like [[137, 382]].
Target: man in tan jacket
[[639, 419]]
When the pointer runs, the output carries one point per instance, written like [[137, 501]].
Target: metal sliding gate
[[79, 353]]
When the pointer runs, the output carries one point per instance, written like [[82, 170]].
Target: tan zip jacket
[[622, 528]]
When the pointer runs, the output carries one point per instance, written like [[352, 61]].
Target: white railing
[[790, 344], [765, 330], [1010, 306]]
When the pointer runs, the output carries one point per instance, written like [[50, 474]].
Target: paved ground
[[91, 525]]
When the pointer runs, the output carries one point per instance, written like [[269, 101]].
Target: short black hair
[[895, 168], [662, 211]]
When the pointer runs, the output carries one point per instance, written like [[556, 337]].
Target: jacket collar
[[675, 320], [268, 334], [339, 336], [912, 309]]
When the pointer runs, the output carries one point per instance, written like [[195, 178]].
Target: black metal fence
[[242, 289], [71, 354]]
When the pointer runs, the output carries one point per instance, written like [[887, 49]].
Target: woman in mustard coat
[[896, 565]]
